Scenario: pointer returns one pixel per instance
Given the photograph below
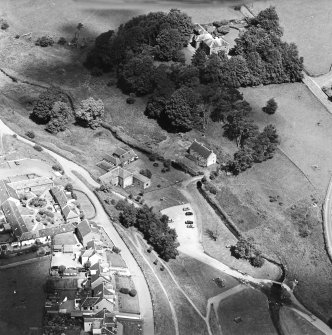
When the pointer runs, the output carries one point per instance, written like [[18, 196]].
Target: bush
[[132, 293], [113, 202], [62, 41], [271, 107], [15, 135], [34, 248], [4, 25], [130, 100], [153, 157], [56, 167], [44, 41], [124, 290], [116, 249], [69, 187], [38, 147], [17, 36], [74, 195], [257, 261], [147, 173], [30, 134]]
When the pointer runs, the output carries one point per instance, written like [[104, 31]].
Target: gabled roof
[[84, 227], [89, 301], [200, 149], [14, 218], [103, 290], [59, 196], [141, 178], [39, 181], [6, 192], [69, 213], [115, 173], [64, 228]]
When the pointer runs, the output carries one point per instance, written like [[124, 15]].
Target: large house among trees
[[202, 155], [207, 42]]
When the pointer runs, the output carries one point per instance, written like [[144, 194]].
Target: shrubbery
[[44, 41], [245, 250], [38, 147], [30, 134]]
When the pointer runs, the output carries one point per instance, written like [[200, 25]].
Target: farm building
[[122, 156], [124, 178], [141, 181], [202, 155], [39, 184]]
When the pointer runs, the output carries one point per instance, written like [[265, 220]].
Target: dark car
[[189, 213], [189, 222]]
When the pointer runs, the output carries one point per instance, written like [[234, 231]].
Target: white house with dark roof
[[202, 154]]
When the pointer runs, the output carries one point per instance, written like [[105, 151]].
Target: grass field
[[293, 324], [308, 24], [274, 226], [252, 307], [196, 279], [22, 297]]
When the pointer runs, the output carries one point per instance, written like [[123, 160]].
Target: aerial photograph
[[166, 167]]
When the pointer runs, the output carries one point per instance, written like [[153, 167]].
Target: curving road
[[103, 219], [195, 251]]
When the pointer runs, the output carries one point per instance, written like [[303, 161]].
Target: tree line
[[155, 228]]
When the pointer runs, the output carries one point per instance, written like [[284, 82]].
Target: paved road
[[196, 251], [103, 219]]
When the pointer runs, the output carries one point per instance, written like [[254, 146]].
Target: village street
[[193, 250]]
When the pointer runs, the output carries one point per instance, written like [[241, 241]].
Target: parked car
[[189, 213], [186, 209], [189, 222]]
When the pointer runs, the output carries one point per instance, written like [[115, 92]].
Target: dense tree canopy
[[90, 113], [42, 111], [155, 229], [164, 34], [59, 117]]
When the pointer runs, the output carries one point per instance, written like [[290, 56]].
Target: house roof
[[6, 192], [56, 230], [115, 173], [39, 181], [84, 227], [105, 165], [200, 149], [141, 178], [14, 218], [216, 42], [103, 290], [69, 213], [89, 301], [59, 196]]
